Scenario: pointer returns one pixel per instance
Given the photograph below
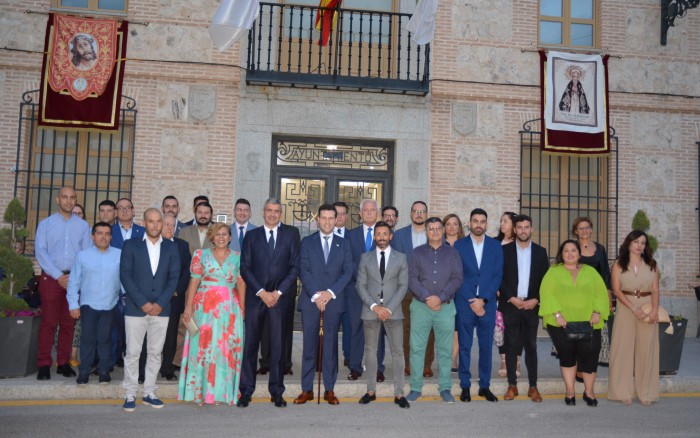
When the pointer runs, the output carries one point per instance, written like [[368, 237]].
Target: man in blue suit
[[125, 228], [325, 269], [270, 267], [149, 272], [171, 206], [241, 212], [482, 263], [406, 238]]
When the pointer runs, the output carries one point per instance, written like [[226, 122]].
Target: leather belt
[[636, 293]]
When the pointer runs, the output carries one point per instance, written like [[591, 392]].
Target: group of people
[[205, 301]]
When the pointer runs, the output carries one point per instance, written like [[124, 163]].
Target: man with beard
[[405, 239], [83, 55], [196, 235], [482, 264], [524, 266], [390, 215], [197, 200], [171, 206]]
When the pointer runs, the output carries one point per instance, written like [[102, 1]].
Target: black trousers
[[521, 334], [288, 340], [177, 306]]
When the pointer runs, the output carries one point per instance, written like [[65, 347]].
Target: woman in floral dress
[[211, 362]]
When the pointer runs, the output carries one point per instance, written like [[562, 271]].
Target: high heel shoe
[[592, 402], [570, 401]]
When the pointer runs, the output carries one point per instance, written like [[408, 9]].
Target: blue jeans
[[95, 336]]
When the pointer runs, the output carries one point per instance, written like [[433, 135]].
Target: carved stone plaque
[[202, 105], [464, 117]]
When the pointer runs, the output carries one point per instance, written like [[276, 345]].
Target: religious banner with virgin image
[[574, 103], [82, 73]]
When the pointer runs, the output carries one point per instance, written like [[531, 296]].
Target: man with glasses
[[390, 215], [405, 240], [435, 274], [125, 228]]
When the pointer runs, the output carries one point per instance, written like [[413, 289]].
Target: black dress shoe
[[579, 379], [402, 402], [44, 373], [465, 396], [168, 375], [105, 378], [367, 398], [243, 401], [592, 402], [570, 401], [346, 362], [354, 375], [288, 371], [65, 370], [280, 402], [487, 394], [263, 370], [380, 376], [82, 379]]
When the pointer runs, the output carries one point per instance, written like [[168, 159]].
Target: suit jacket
[[539, 263], [234, 236], [403, 240], [487, 277], [370, 283], [178, 227], [318, 275], [356, 237], [191, 236], [137, 232], [183, 250], [138, 281], [277, 271]]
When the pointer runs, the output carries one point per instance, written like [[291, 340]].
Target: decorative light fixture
[[670, 9]]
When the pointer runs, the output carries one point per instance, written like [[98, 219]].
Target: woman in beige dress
[[634, 348]]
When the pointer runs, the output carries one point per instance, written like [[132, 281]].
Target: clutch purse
[[579, 331], [192, 327], [663, 317]]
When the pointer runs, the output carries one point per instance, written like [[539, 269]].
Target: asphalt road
[[672, 416]]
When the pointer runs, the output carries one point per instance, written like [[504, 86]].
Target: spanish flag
[[326, 19]]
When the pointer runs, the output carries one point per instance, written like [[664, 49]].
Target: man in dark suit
[[173, 342], [524, 266], [405, 240], [382, 282], [149, 272], [241, 212], [270, 267], [125, 228], [482, 264], [361, 241], [325, 269], [171, 206]]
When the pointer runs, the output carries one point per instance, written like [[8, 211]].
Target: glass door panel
[[301, 198], [353, 192]]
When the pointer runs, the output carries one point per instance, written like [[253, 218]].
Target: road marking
[[261, 400]]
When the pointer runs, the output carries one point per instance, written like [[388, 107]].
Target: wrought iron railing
[[365, 50]]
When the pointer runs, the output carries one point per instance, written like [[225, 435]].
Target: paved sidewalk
[[28, 388]]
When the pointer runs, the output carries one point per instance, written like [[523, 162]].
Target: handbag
[[663, 317], [192, 327], [579, 331]]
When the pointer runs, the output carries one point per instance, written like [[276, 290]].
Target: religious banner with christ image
[[82, 72], [574, 103]]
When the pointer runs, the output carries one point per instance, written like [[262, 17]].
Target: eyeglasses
[[434, 229], [124, 208], [419, 211]]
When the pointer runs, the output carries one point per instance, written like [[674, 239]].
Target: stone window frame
[[566, 21], [93, 8]]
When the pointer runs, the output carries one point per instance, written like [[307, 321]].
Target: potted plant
[[19, 324]]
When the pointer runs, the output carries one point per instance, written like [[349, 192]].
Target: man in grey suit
[[382, 283], [196, 235], [241, 211]]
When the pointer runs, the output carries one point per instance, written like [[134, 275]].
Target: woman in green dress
[[211, 362]]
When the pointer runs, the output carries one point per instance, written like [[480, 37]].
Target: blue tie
[[368, 240], [326, 248], [240, 237], [271, 242]]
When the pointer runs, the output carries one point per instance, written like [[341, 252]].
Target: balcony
[[365, 51]]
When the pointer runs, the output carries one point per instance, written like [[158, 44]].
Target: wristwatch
[[557, 315]]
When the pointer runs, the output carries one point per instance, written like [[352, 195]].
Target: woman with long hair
[[634, 349], [506, 234], [453, 232]]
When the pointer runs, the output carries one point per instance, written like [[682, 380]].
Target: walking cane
[[320, 356]]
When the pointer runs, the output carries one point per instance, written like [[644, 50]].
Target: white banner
[[232, 21]]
